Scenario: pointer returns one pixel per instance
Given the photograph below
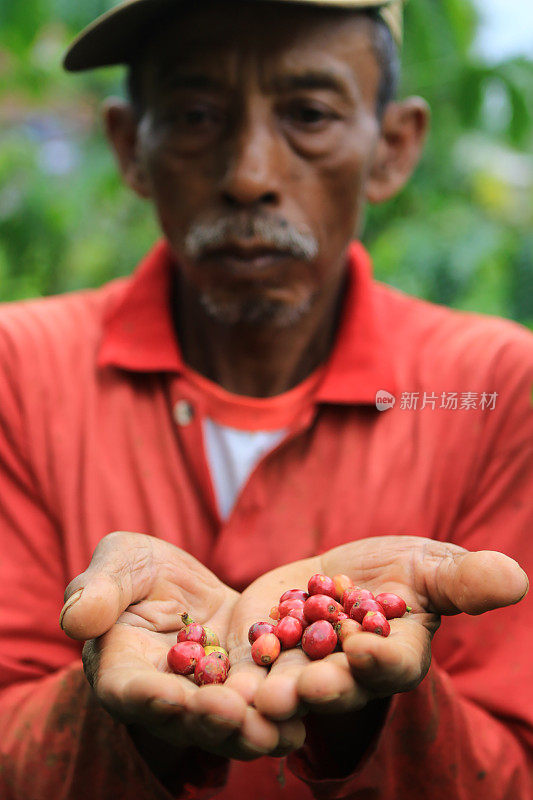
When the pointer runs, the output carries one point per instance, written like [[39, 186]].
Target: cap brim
[[116, 36]]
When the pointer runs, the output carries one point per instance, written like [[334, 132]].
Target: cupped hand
[[433, 578], [128, 612]]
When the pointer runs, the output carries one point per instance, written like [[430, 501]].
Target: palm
[[134, 592], [132, 654], [433, 579], [147, 629], [180, 584]]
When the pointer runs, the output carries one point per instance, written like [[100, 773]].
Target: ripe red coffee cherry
[[211, 669], [193, 633], [266, 649], [298, 613], [361, 607], [393, 605], [351, 595], [274, 612], [319, 639], [341, 583], [183, 657], [294, 594], [289, 632], [321, 584], [321, 606], [257, 630], [288, 605], [376, 622]]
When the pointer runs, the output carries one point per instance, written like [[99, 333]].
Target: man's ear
[[403, 132], [121, 126]]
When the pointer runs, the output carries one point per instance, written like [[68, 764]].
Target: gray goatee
[[205, 235]]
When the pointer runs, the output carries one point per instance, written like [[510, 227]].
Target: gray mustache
[[223, 232]]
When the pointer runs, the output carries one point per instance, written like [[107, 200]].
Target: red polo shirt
[[100, 430]]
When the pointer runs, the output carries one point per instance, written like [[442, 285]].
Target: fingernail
[[165, 707], [70, 602], [252, 748], [220, 723], [285, 744], [325, 698]]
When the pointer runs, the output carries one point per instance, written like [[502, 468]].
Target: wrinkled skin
[[434, 579], [135, 589], [136, 586], [267, 114]]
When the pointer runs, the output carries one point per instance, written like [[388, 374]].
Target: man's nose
[[252, 174]]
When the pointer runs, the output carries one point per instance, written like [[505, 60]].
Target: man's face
[[258, 134]]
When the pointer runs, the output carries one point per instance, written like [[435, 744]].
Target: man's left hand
[[433, 578]]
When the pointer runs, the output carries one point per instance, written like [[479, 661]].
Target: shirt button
[[183, 412]]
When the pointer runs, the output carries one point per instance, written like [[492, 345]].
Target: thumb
[[475, 582], [121, 572]]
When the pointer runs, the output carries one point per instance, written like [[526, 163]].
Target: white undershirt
[[232, 455]]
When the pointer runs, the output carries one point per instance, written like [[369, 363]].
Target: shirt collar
[[139, 334], [138, 331]]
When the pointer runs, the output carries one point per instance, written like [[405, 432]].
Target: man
[[223, 405]]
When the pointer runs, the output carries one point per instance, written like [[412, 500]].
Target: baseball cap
[[114, 37]]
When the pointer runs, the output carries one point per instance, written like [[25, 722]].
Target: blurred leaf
[[463, 19], [21, 22]]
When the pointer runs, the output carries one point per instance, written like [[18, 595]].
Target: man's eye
[[310, 116], [200, 116], [196, 118]]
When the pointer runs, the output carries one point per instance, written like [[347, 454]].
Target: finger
[[277, 695], [141, 695], [174, 708], [131, 682], [128, 666], [127, 669], [456, 580], [328, 686], [435, 576], [245, 676], [121, 572], [396, 663], [291, 737], [259, 736], [216, 713], [162, 616]]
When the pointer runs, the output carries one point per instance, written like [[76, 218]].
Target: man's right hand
[[128, 612]]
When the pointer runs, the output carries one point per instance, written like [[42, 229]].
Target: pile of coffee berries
[[198, 653], [320, 619]]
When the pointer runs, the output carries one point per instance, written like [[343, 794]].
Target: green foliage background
[[460, 234]]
